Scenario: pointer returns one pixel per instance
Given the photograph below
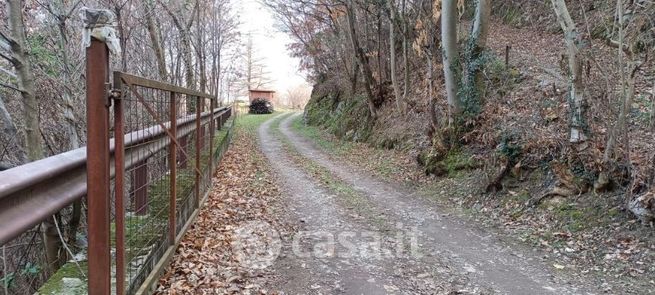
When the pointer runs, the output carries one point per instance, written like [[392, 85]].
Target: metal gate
[[152, 147]]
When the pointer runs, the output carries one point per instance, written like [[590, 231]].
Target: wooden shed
[[260, 93]]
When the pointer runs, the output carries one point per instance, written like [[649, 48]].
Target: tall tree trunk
[[627, 96], [121, 35], [450, 56], [362, 59], [67, 94], [156, 43], [405, 56], [202, 66], [481, 24], [185, 42], [392, 55], [355, 77], [479, 41], [33, 140], [577, 101], [71, 131], [249, 63]]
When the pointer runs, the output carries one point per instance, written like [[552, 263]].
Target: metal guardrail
[[35, 191]]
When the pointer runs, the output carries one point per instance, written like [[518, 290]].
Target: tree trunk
[[450, 56], [185, 42], [67, 95], [33, 141], [156, 44], [202, 66], [481, 24], [355, 76], [479, 41], [71, 131], [362, 59], [392, 55], [405, 57], [577, 101]]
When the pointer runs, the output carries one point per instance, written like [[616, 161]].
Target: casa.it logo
[[256, 244]]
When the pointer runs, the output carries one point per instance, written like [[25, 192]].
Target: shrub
[[261, 106]]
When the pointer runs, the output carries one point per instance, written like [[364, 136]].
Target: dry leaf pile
[[243, 191]]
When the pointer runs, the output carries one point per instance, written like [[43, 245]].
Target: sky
[[270, 44]]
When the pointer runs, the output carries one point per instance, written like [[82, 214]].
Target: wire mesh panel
[[147, 180], [167, 151]]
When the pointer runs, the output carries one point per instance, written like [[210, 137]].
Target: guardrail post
[[198, 153], [139, 177], [201, 106], [184, 141], [97, 110], [173, 171], [219, 122]]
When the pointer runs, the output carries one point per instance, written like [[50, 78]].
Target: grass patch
[[320, 137], [383, 165]]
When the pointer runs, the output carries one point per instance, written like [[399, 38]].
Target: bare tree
[[478, 43], [400, 104], [184, 28], [576, 95], [157, 46], [257, 75], [19, 59], [297, 97], [450, 56], [362, 58]]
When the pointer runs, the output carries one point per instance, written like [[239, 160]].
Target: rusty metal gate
[[147, 183], [151, 150]]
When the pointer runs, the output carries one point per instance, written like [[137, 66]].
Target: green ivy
[[41, 55]]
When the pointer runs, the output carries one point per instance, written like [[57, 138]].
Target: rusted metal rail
[[32, 192]]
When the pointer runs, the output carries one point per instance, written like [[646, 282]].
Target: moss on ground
[[68, 280], [346, 118]]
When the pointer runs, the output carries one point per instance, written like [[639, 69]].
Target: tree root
[[555, 192]]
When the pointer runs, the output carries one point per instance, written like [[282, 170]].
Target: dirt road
[[360, 235]]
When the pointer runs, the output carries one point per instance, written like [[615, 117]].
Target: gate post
[[173, 171], [198, 153], [119, 188], [98, 159], [211, 140]]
